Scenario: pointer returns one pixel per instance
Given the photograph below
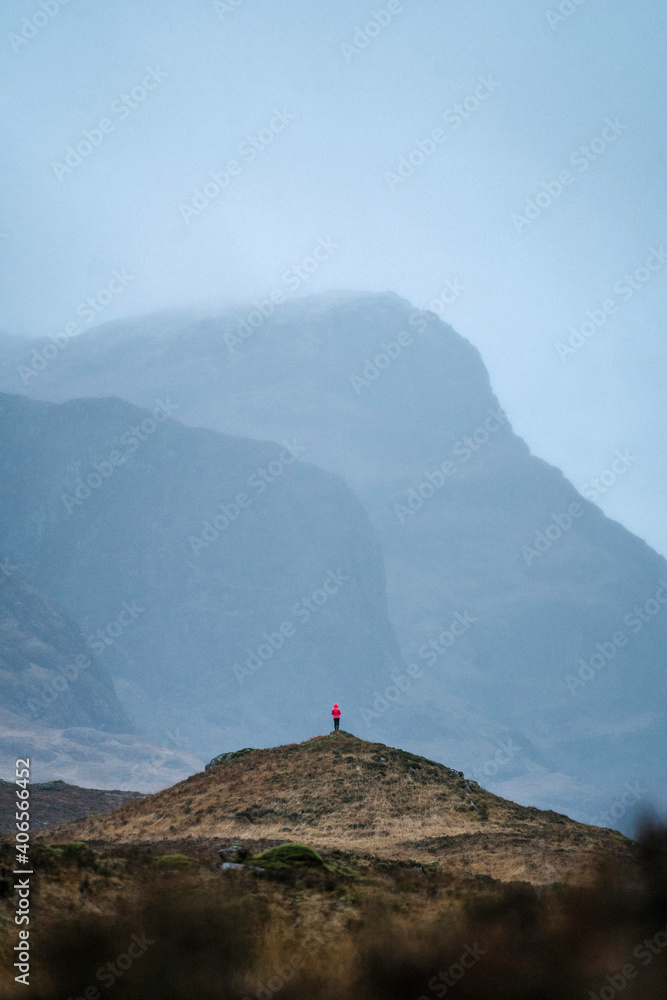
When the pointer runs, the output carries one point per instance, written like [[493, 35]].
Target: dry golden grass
[[337, 792]]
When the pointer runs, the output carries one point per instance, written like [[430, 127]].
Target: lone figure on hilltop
[[335, 711]]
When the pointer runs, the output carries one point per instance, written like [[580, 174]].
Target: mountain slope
[[506, 588], [341, 792], [47, 672], [241, 589]]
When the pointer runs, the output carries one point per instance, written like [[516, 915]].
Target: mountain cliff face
[[516, 599], [240, 590]]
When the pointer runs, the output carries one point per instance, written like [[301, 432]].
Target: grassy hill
[[341, 793]]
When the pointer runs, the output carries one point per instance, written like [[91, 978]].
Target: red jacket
[[335, 711]]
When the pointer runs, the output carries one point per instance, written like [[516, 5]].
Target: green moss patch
[[289, 856], [176, 861]]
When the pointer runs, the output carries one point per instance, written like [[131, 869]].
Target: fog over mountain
[[526, 614], [501, 163]]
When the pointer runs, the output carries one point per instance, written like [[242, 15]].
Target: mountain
[[515, 598], [342, 793], [233, 589]]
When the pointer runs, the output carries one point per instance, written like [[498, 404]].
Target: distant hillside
[[56, 802], [47, 671], [341, 792], [58, 705]]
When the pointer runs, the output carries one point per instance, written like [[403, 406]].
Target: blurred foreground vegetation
[[174, 927]]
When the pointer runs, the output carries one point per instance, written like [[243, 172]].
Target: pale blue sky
[[324, 175]]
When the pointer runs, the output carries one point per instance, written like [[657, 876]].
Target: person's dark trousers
[[336, 724]]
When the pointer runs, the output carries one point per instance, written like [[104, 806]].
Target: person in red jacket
[[335, 711]]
